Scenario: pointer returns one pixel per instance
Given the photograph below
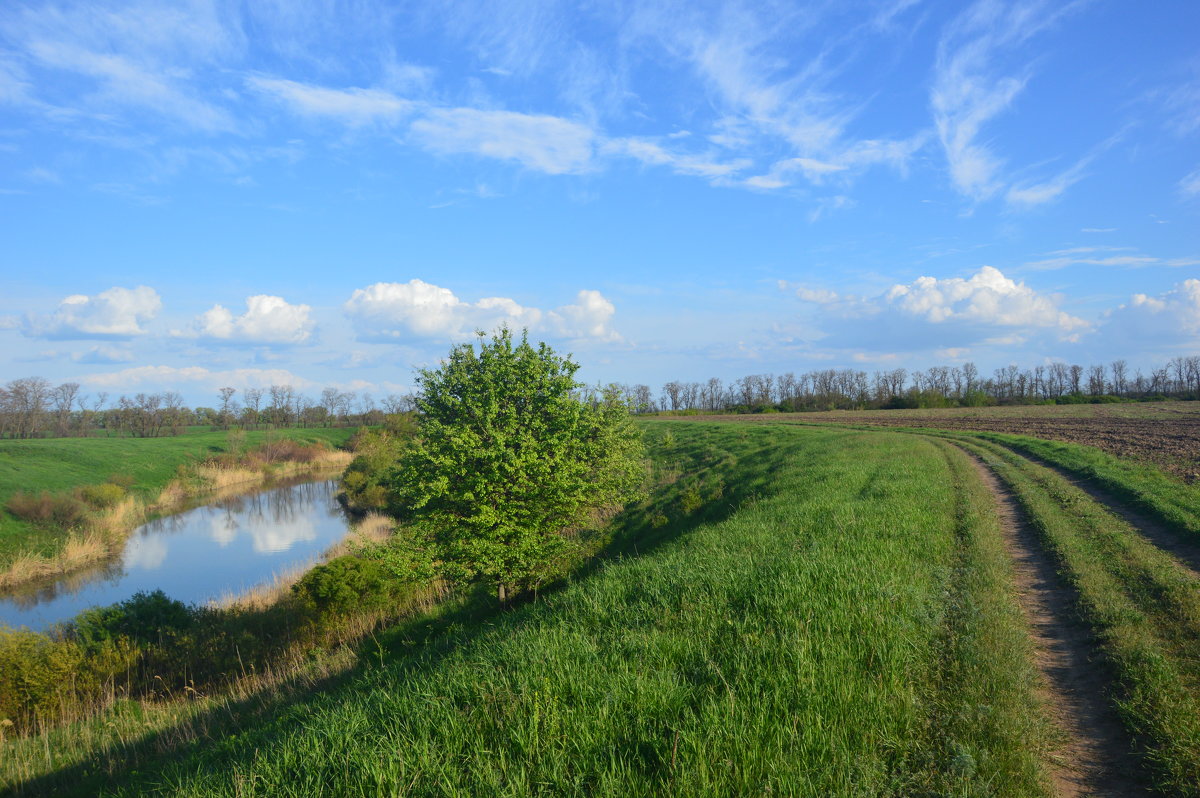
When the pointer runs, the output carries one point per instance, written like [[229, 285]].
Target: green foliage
[[508, 456], [146, 617], [102, 496], [343, 584], [376, 454], [406, 556]]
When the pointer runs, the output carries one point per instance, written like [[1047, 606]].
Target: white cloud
[[123, 81], [1169, 319], [353, 106], [267, 320], [1190, 184], [396, 311], [589, 317], [931, 314], [968, 91], [548, 144], [651, 153], [170, 378], [1094, 256], [819, 296], [103, 354], [987, 297], [115, 313]]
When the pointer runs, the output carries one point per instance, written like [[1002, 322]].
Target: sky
[[196, 194]]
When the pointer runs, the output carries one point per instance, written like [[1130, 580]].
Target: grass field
[[794, 611], [1165, 435], [63, 464]]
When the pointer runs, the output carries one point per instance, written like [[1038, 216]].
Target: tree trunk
[[502, 594]]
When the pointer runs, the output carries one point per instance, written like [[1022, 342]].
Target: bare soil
[[1095, 756]]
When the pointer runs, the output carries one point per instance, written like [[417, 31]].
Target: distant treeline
[[33, 408], [939, 386]]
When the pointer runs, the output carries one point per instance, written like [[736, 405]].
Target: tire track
[[1153, 530], [1095, 757]]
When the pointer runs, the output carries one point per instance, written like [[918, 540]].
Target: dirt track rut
[[1095, 757]]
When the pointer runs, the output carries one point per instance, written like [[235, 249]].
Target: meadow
[[793, 609]]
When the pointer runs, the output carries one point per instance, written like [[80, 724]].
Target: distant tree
[[226, 412], [507, 456]]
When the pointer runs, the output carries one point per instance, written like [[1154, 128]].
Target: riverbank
[[85, 524]]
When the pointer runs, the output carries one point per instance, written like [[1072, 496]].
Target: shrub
[[102, 496], [145, 618], [342, 584], [47, 509]]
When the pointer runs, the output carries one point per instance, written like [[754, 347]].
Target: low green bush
[[102, 496], [342, 584]]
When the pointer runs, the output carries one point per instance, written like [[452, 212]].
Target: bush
[[47, 509], [102, 496], [148, 618], [343, 584]]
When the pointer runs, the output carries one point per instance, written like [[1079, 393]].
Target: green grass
[[1144, 487], [1144, 609], [62, 464], [798, 612]]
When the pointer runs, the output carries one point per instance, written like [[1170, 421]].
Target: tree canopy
[[508, 454]]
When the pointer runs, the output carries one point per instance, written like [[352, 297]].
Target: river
[[217, 550]]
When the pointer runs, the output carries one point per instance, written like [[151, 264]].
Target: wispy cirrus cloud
[[351, 106], [1116, 257], [542, 142], [972, 86]]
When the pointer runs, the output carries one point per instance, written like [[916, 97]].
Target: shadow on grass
[[419, 644]]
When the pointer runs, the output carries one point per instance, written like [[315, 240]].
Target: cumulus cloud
[[1169, 319], [589, 317], [394, 311], [938, 313], [267, 320], [116, 313], [988, 297]]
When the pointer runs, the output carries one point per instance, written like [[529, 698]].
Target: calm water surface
[[216, 550]]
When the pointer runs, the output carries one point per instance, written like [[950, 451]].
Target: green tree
[[508, 455]]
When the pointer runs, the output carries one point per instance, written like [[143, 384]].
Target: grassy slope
[[61, 464], [833, 620]]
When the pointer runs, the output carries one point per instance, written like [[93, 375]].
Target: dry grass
[[78, 551]]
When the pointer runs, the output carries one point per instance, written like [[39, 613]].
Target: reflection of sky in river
[[215, 550]]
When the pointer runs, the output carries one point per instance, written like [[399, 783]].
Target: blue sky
[[198, 194]]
